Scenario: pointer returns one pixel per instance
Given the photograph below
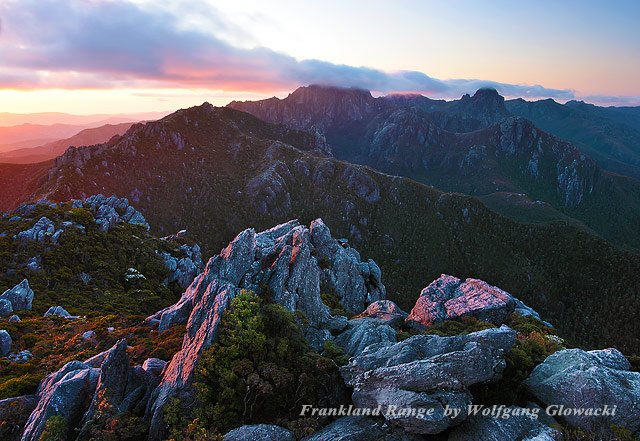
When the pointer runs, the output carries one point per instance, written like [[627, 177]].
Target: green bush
[[55, 429], [81, 216], [333, 302], [463, 325], [109, 425], [23, 385], [260, 369]]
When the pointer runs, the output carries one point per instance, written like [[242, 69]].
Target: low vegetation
[[261, 369]]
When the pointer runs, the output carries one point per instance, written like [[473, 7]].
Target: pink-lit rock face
[[448, 297], [296, 263], [385, 310]]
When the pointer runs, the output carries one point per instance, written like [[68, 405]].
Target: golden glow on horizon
[[113, 101]]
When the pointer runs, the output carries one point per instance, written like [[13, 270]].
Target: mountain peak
[[326, 92], [487, 94], [486, 104]]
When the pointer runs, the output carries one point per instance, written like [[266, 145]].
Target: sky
[[115, 56]]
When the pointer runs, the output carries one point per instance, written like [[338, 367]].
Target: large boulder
[[426, 373], [592, 380], [449, 297], [359, 428], [67, 393], [292, 264], [387, 311], [266, 432], [79, 389], [113, 380], [5, 343], [57, 311], [510, 423], [20, 296], [154, 366], [363, 332]]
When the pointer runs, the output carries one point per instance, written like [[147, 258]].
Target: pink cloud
[[79, 44]]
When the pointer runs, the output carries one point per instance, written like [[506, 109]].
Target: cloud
[[118, 43], [609, 100]]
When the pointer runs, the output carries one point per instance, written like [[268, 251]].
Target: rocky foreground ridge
[[394, 361]]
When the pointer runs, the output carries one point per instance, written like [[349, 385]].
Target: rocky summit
[[291, 263], [475, 145], [463, 341]]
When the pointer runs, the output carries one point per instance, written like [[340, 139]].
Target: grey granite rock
[[449, 297], [20, 296], [363, 332], [5, 343], [6, 308], [57, 311], [427, 372], [519, 425], [387, 311], [359, 428], [580, 379], [285, 262], [266, 432]]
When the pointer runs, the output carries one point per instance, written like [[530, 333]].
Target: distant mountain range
[[33, 135], [611, 135], [18, 131], [56, 148], [473, 145], [216, 171], [50, 118]]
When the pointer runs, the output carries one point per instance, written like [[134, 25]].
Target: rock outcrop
[[66, 392], [291, 263], [20, 296], [109, 211], [266, 432], [387, 311], [449, 297], [185, 267], [57, 311], [6, 308], [363, 332], [44, 230], [427, 372], [358, 428], [589, 380], [78, 389], [5, 343], [356, 283], [519, 425]]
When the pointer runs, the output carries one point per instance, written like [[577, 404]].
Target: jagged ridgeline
[[475, 146], [268, 326], [217, 171]]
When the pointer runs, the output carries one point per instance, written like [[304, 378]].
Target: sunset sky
[[103, 56]]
